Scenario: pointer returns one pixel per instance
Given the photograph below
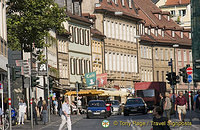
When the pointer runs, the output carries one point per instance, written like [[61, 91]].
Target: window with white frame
[[159, 16], [70, 30], [161, 53], [120, 31], [168, 18], [123, 3], [179, 55], [122, 62], [142, 75], [149, 31], [185, 56], [190, 35], [150, 55], [147, 53], [110, 61], [125, 63], [181, 34], [109, 29], [145, 75], [105, 27], [166, 54], [130, 4], [77, 67], [148, 78], [106, 60], [118, 62], [136, 65], [134, 34], [132, 64], [163, 33], [144, 52], [128, 33], [173, 34], [83, 66], [131, 32], [117, 30], [156, 32], [114, 62], [129, 63], [171, 54], [113, 30], [156, 53], [124, 32], [72, 66], [190, 56]]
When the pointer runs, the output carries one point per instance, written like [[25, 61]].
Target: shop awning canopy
[[114, 93], [84, 92]]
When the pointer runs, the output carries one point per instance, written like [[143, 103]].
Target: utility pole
[[9, 96], [30, 88]]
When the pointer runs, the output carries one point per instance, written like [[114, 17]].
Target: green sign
[[90, 79]]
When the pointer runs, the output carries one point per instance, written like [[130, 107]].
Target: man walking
[[34, 106], [22, 111], [39, 106], [65, 115], [181, 104]]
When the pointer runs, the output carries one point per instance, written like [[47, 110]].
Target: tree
[[29, 21]]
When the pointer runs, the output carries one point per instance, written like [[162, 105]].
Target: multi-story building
[[118, 21], [180, 10], [3, 42], [161, 40]]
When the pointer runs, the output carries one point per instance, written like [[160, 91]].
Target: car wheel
[[145, 111], [88, 117], [126, 114]]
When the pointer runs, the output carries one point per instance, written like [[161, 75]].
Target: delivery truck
[[150, 92]]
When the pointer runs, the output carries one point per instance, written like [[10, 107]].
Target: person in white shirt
[[66, 115], [22, 111]]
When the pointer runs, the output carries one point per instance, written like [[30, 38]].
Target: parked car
[[135, 105], [96, 108], [116, 107]]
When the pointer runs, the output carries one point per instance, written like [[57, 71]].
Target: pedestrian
[[181, 104], [22, 111], [79, 105], [60, 106], [197, 106], [44, 112], [167, 106], [195, 98], [55, 102], [162, 99], [39, 106], [186, 95], [65, 115], [159, 122], [34, 106]]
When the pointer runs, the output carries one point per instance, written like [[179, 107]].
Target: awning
[[114, 93], [84, 92]]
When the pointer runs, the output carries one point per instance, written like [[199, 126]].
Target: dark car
[[135, 105], [96, 108]]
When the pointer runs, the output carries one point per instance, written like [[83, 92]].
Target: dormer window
[[123, 3], [149, 32], [159, 16], [190, 36], [114, 1], [181, 34], [168, 18], [173, 34], [163, 33], [130, 4], [156, 32]]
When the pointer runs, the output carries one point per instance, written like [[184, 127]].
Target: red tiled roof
[[177, 2], [77, 17], [96, 32], [112, 7]]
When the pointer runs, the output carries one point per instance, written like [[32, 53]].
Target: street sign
[[102, 79], [189, 70], [189, 78], [42, 69], [90, 79]]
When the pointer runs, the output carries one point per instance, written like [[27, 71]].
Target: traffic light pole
[[172, 86], [190, 105], [30, 88]]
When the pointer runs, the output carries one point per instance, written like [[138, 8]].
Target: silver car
[[116, 107]]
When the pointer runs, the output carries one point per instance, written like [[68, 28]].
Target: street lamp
[[175, 46]]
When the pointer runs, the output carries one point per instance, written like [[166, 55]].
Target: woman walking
[[167, 106], [22, 111], [44, 112]]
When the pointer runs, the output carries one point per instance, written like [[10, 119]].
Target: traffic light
[[51, 82], [169, 78], [34, 82], [184, 74], [16, 72], [172, 78]]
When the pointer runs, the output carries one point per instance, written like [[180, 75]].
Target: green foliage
[[29, 21]]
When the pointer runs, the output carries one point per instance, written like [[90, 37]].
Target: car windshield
[[146, 93], [96, 104], [134, 101], [113, 102]]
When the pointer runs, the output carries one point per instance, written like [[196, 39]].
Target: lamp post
[[175, 46]]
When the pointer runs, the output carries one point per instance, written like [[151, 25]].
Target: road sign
[[189, 70], [189, 78], [90, 79], [42, 69]]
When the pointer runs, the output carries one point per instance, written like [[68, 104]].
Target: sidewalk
[[54, 124]]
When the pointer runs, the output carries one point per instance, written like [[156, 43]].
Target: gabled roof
[[112, 7], [177, 2], [77, 17]]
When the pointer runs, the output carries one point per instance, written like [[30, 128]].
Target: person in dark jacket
[[162, 100], [34, 110], [60, 106], [44, 112], [159, 122]]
